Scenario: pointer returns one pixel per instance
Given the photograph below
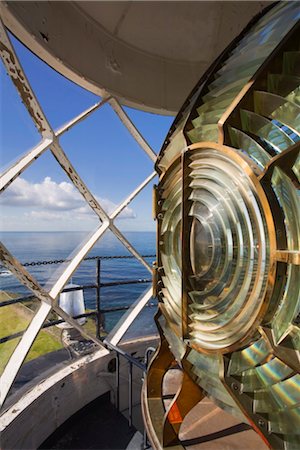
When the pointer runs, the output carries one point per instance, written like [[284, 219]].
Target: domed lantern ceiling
[[227, 202], [147, 54]]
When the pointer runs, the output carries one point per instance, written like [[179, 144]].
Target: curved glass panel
[[240, 221], [228, 283], [169, 242]]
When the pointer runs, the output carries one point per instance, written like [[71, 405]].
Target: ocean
[[46, 246]]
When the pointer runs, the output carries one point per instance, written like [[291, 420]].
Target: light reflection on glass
[[227, 285]]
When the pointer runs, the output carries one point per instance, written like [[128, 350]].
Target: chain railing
[[50, 143], [99, 312]]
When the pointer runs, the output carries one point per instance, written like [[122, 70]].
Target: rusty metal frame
[[17, 168], [50, 140], [48, 302], [14, 67]]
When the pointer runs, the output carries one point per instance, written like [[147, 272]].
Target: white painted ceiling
[[148, 54]]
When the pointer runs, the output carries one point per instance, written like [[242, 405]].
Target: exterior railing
[[98, 285]]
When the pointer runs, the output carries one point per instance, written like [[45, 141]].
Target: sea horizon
[[70, 231], [29, 246]]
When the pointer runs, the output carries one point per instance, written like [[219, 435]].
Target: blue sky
[[101, 149]]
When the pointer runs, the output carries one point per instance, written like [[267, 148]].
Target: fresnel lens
[[228, 240]]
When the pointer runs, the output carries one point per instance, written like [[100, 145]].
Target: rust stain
[[22, 77], [20, 83]]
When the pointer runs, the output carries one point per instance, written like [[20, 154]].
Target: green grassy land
[[16, 318], [13, 320]]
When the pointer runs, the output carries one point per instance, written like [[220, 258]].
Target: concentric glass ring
[[237, 137], [229, 242]]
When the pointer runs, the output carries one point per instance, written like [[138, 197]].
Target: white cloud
[[48, 199]]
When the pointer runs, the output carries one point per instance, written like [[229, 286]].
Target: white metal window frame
[[50, 142]]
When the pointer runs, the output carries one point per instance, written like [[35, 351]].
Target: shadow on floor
[[97, 426]]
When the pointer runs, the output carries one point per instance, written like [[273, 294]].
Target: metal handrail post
[[130, 393], [148, 352], [98, 302], [117, 381]]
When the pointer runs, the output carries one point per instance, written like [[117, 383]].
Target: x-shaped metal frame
[[50, 140]]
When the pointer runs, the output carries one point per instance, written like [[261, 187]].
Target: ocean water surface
[[45, 246]]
